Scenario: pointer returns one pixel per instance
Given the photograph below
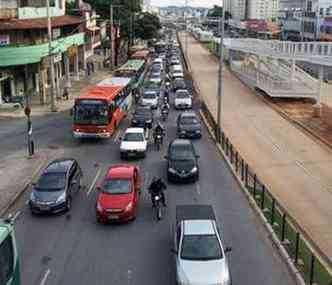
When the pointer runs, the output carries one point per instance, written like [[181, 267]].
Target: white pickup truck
[[199, 252]]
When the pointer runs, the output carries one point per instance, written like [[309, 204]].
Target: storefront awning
[[39, 23]]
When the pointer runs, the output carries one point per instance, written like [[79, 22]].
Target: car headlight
[[61, 198], [194, 170], [182, 131], [99, 207], [149, 121], [129, 207], [172, 170], [134, 121]]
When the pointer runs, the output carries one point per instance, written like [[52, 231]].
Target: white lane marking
[[146, 179], [198, 189], [93, 182], [43, 281], [18, 213]]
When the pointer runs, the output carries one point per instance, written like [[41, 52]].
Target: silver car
[[200, 256]]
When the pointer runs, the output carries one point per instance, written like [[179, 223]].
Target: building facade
[[263, 9], [25, 51]]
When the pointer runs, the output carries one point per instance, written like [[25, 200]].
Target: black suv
[[56, 187], [142, 117], [188, 125], [182, 164]]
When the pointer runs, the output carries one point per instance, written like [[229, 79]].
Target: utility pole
[[221, 74], [50, 57], [111, 38], [186, 38]]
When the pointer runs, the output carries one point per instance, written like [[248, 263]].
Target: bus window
[[6, 260]]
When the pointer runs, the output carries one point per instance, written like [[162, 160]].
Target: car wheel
[[68, 204]]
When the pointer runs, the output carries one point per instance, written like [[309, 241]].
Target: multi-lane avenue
[[73, 248]]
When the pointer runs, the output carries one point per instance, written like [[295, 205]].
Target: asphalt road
[[74, 249]]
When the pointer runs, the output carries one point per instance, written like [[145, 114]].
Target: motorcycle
[[158, 141], [164, 114], [157, 200]]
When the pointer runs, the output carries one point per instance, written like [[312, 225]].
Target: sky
[[196, 3]]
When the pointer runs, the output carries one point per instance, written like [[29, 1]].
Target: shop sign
[[4, 40]]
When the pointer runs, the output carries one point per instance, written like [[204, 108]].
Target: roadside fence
[[313, 265]]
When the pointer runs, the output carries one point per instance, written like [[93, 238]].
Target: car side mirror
[[228, 249]]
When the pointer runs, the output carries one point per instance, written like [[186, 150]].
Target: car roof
[[59, 165], [182, 91], [177, 142], [198, 227], [134, 130], [120, 171], [188, 114]]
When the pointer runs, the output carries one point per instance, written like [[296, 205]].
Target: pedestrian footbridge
[[270, 65]]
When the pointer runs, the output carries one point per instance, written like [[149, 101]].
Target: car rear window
[[149, 95], [181, 152], [201, 247], [182, 95], [133, 137], [189, 120], [51, 182], [116, 186]]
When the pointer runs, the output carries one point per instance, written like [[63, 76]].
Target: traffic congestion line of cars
[[198, 243]]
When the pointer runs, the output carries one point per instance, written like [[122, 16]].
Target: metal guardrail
[[315, 52], [313, 265]]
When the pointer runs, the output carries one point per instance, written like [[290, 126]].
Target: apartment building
[[25, 51], [263, 9]]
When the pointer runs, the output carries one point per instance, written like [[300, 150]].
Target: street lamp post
[[220, 75]]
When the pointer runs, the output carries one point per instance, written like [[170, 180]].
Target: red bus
[[99, 109]]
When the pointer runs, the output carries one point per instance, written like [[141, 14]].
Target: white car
[[133, 143], [183, 99], [155, 78], [150, 98], [178, 75]]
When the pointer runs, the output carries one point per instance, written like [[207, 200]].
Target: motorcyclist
[[157, 187], [158, 130], [165, 107], [166, 95]]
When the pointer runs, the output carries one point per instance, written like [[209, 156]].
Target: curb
[[25, 187], [273, 237]]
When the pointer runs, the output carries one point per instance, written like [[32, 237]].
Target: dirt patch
[[302, 112]]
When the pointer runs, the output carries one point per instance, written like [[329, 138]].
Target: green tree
[[147, 26], [216, 11]]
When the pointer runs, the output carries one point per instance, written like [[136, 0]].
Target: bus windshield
[[6, 260], [91, 112]]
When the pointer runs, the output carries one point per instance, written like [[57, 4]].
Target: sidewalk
[[62, 105], [17, 172], [291, 164]]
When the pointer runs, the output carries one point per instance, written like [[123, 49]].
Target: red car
[[118, 194]]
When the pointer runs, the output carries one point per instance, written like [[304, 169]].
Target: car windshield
[[116, 186], [201, 247], [91, 112], [133, 137], [182, 95], [149, 95], [181, 152], [144, 115], [189, 120], [51, 182]]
